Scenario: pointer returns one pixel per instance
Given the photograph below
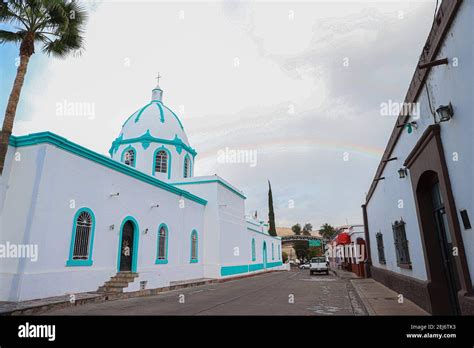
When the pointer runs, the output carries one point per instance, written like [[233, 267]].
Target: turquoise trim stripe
[[136, 235], [230, 270], [211, 181], [177, 118], [162, 115], [71, 262], [266, 235], [141, 111], [255, 267], [238, 269], [66, 145], [165, 259]]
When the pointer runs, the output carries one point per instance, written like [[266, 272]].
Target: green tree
[[271, 214], [307, 228], [327, 231], [301, 249], [57, 25], [296, 229], [284, 256]]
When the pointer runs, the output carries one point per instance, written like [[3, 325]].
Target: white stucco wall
[[42, 215], [446, 83]]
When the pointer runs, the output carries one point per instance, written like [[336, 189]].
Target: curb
[[104, 297]]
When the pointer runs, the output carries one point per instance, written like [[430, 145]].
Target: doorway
[[127, 247], [439, 245]]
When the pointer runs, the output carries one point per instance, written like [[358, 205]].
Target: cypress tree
[[271, 213]]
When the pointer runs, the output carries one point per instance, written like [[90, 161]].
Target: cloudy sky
[[298, 84]]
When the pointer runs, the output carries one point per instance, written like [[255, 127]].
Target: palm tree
[[57, 25]]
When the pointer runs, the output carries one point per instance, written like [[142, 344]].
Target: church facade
[[140, 213]]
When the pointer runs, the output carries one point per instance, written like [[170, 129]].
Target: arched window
[[194, 247], [80, 253], [161, 162], [273, 251], [129, 156], [254, 257], [162, 253], [187, 167], [279, 252]]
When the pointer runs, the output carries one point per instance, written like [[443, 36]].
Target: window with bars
[[161, 162], [401, 244], [187, 167], [380, 248], [129, 158], [162, 236], [83, 231], [194, 246]]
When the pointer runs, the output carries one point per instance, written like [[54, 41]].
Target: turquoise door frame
[[264, 255], [135, 243]]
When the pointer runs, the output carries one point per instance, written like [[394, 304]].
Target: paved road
[[277, 293]]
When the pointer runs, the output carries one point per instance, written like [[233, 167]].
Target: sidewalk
[[380, 300]]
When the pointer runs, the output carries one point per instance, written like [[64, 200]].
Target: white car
[[304, 266], [319, 265]]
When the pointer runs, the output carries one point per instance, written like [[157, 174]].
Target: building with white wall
[[419, 206], [139, 219]]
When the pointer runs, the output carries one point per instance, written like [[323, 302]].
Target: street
[[276, 293]]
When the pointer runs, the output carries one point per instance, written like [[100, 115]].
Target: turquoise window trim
[[148, 138], [190, 182], [264, 254], [254, 256], [128, 148], [165, 260], [69, 146], [136, 236], [279, 252], [273, 251], [190, 166], [169, 161], [196, 260], [71, 262]]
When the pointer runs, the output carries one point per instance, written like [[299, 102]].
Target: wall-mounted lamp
[[444, 113], [155, 206], [111, 227], [115, 194], [402, 173], [145, 231]]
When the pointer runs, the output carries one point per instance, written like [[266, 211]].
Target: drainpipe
[[368, 262]]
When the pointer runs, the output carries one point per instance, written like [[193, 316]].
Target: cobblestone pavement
[[279, 293]]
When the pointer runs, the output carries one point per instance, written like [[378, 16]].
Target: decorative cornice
[[147, 138]]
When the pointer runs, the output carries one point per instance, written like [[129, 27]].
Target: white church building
[[138, 219]]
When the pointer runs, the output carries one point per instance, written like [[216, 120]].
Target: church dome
[[153, 141]]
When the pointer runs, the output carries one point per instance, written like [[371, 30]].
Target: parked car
[[319, 265], [304, 266]]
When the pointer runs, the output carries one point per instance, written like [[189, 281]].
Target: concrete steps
[[117, 283]]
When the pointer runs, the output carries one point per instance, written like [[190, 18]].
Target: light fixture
[[115, 194], [402, 172], [155, 206], [444, 113]]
